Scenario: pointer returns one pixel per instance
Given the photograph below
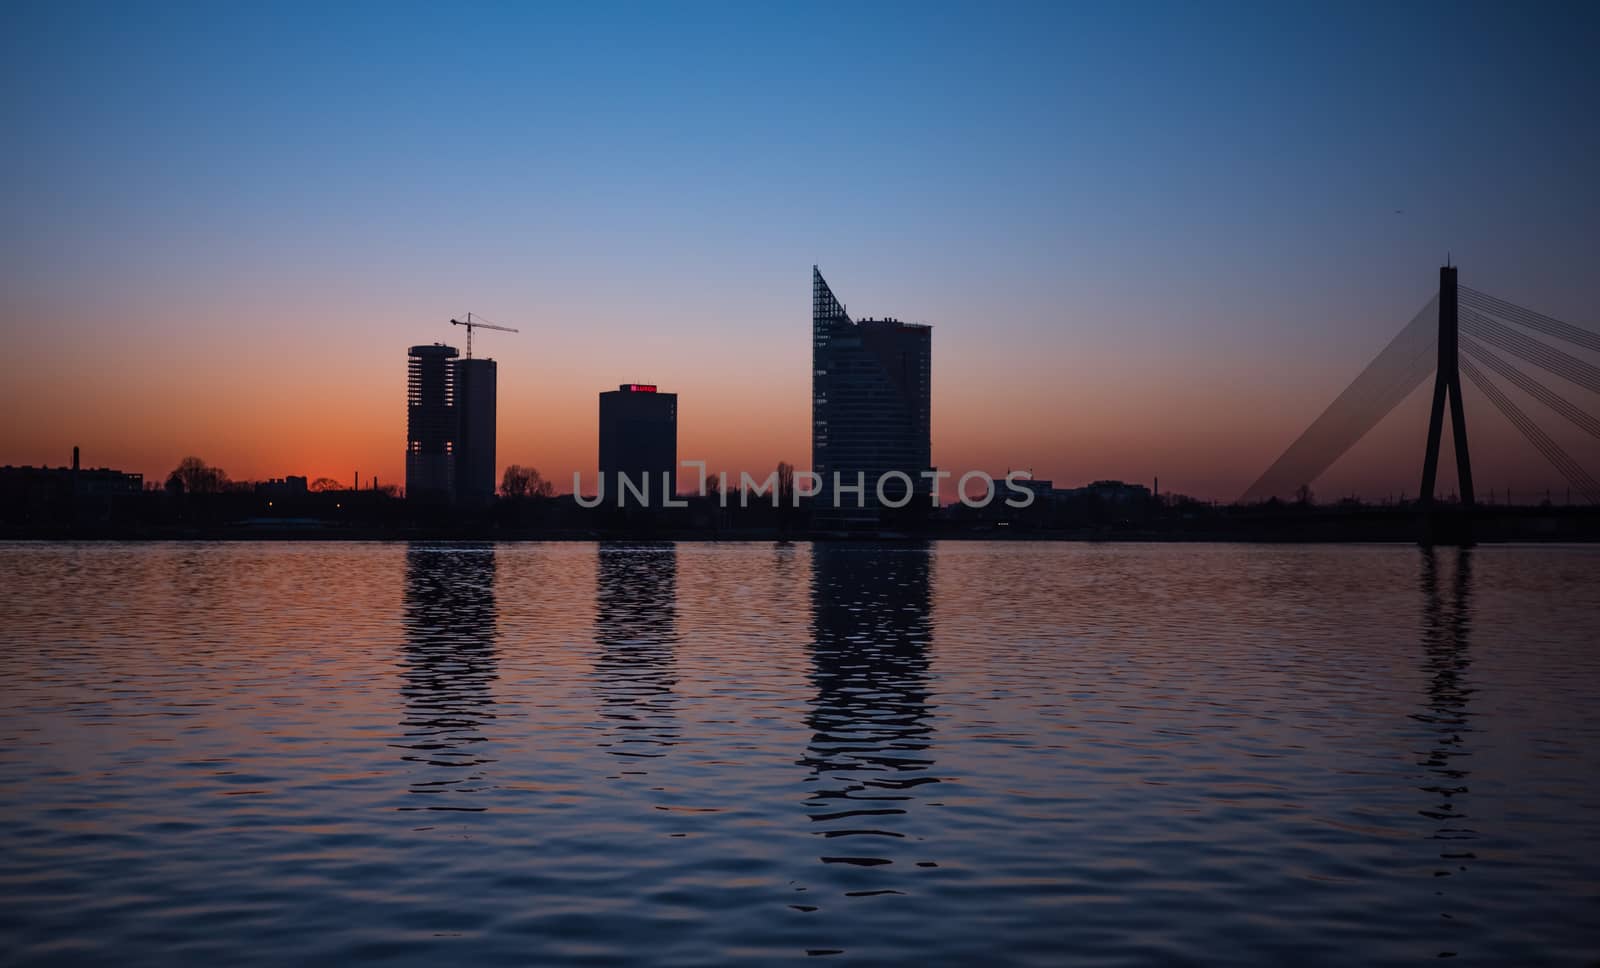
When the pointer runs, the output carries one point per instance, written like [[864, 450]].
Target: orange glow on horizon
[[261, 399]]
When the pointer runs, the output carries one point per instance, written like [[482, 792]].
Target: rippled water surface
[[1021, 753]]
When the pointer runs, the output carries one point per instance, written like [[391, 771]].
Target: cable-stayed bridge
[[1461, 331]]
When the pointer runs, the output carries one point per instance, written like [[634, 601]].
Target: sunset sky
[[1151, 239]]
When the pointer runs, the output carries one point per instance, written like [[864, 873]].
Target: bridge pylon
[[1447, 383]]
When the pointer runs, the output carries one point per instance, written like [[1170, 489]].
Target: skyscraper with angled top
[[871, 393]]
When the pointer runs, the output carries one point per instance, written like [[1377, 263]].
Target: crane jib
[[471, 323]]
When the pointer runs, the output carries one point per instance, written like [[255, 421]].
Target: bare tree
[[1303, 495], [785, 483], [323, 484], [785, 495], [195, 476], [521, 482], [515, 482]]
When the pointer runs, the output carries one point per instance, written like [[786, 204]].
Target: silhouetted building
[[104, 480], [639, 438], [1042, 491], [36, 495], [33, 484], [871, 391], [475, 422], [1112, 492], [430, 423], [283, 487]]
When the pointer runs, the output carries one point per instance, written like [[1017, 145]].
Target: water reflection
[[636, 630], [870, 748], [1446, 624], [447, 667], [1147, 756]]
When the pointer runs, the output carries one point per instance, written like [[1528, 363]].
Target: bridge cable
[[1397, 371], [1547, 325], [1391, 376], [1541, 441], [1531, 350], [1551, 451], [1531, 387]]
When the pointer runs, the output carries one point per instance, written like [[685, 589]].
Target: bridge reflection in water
[[447, 666], [1446, 582]]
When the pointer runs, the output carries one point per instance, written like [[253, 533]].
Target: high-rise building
[[639, 438], [871, 392], [430, 423], [475, 432]]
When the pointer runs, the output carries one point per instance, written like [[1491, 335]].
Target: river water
[[1024, 753]]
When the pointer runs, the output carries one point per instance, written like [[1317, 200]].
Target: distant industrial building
[[1042, 491], [871, 404], [1113, 492], [283, 488], [74, 481], [1046, 494], [29, 490], [639, 438], [99, 481], [431, 423], [475, 435]]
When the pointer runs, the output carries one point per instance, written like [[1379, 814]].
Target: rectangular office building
[[639, 438], [475, 432]]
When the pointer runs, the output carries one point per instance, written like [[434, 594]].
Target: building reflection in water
[[1446, 624], [446, 670], [870, 748], [636, 632]]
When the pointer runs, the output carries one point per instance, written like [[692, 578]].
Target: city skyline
[[486, 470], [434, 532], [1168, 279]]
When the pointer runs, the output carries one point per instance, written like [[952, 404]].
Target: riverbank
[[1249, 525]]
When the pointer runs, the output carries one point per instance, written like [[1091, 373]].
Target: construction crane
[[471, 322]]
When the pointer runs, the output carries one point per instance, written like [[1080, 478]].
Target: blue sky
[[1150, 200]]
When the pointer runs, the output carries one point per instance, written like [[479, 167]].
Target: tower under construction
[[431, 423], [475, 430]]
